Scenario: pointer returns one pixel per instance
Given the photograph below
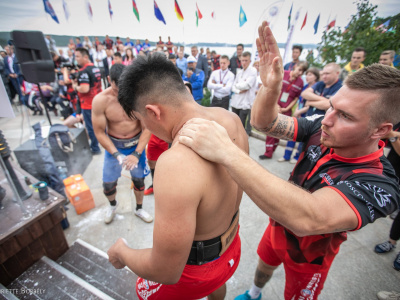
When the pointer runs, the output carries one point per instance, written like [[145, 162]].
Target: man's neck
[[295, 61], [330, 84], [188, 111]]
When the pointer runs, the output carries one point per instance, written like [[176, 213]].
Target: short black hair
[[116, 72], [117, 54], [153, 76], [360, 49], [241, 45], [300, 47], [83, 51]]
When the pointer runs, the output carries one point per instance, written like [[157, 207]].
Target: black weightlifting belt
[[206, 251]]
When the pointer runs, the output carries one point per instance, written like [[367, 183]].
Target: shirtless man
[[196, 202], [124, 140]]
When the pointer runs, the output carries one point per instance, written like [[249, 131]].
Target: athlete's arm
[[179, 192], [265, 110], [99, 121], [324, 211]]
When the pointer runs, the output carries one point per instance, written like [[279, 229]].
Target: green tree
[[337, 45]]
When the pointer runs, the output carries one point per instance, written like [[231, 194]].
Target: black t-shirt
[[368, 184]]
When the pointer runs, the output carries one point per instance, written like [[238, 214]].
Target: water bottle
[[62, 172]]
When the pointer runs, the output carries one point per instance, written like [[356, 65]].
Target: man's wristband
[[115, 154], [136, 154]]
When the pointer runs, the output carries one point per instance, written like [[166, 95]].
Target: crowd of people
[[129, 95]]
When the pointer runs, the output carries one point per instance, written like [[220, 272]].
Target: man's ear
[[382, 131], [153, 110]]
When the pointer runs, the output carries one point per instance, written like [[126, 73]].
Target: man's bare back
[[118, 124], [220, 196]]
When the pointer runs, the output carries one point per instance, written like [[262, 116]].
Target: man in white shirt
[[244, 88], [221, 81]]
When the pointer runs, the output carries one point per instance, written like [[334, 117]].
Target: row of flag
[[157, 12]]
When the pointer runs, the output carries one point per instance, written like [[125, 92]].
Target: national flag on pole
[[178, 11], [198, 15], [89, 10], [110, 9], [135, 10], [331, 24], [384, 26], [242, 17], [316, 24], [158, 13], [304, 22], [289, 17], [49, 9], [213, 15], [66, 10]]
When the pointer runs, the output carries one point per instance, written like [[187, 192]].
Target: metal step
[[92, 265], [48, 280]]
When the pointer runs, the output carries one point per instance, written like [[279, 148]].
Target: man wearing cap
[[196, 78]]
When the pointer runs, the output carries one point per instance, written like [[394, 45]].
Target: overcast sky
[[30, 15]]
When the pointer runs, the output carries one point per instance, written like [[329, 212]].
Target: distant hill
[[63, 40]]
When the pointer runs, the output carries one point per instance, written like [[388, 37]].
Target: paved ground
[[357, 272]]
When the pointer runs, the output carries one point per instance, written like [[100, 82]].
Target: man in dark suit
[[13, 72], [202, 63], [107, 63]]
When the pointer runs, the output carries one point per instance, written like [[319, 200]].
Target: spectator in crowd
[[235, 60], [296, 52], [58, 61], [50, 43], [181, 62], [108, 61], [97, 42], [78, 43], [196, 77], [182, 48], [201, 61], [292, 85], [175, 50], [71, 57], [138, 46], [169, 45], [129, 57], [387, 58], [71, 45], [244, 88], [221, 82], [88, 85], [118, 58], [118, 41], [87, 43], [355, 64], [128, 42], [146, 46], [202, 51], [13, 73], [319, 94], [108, 43], [215, 60], [160, 43], [3, 74]]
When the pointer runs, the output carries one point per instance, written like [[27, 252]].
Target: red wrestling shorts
[[155, 148], [304, 281], [196, 281]]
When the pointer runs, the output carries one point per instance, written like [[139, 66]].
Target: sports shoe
[[144, 215], [110, 213], [264, 157], [293, 161], [383, 295], [246, 296], [396, 263], [384, 247], [282, 159], [149, 191]]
